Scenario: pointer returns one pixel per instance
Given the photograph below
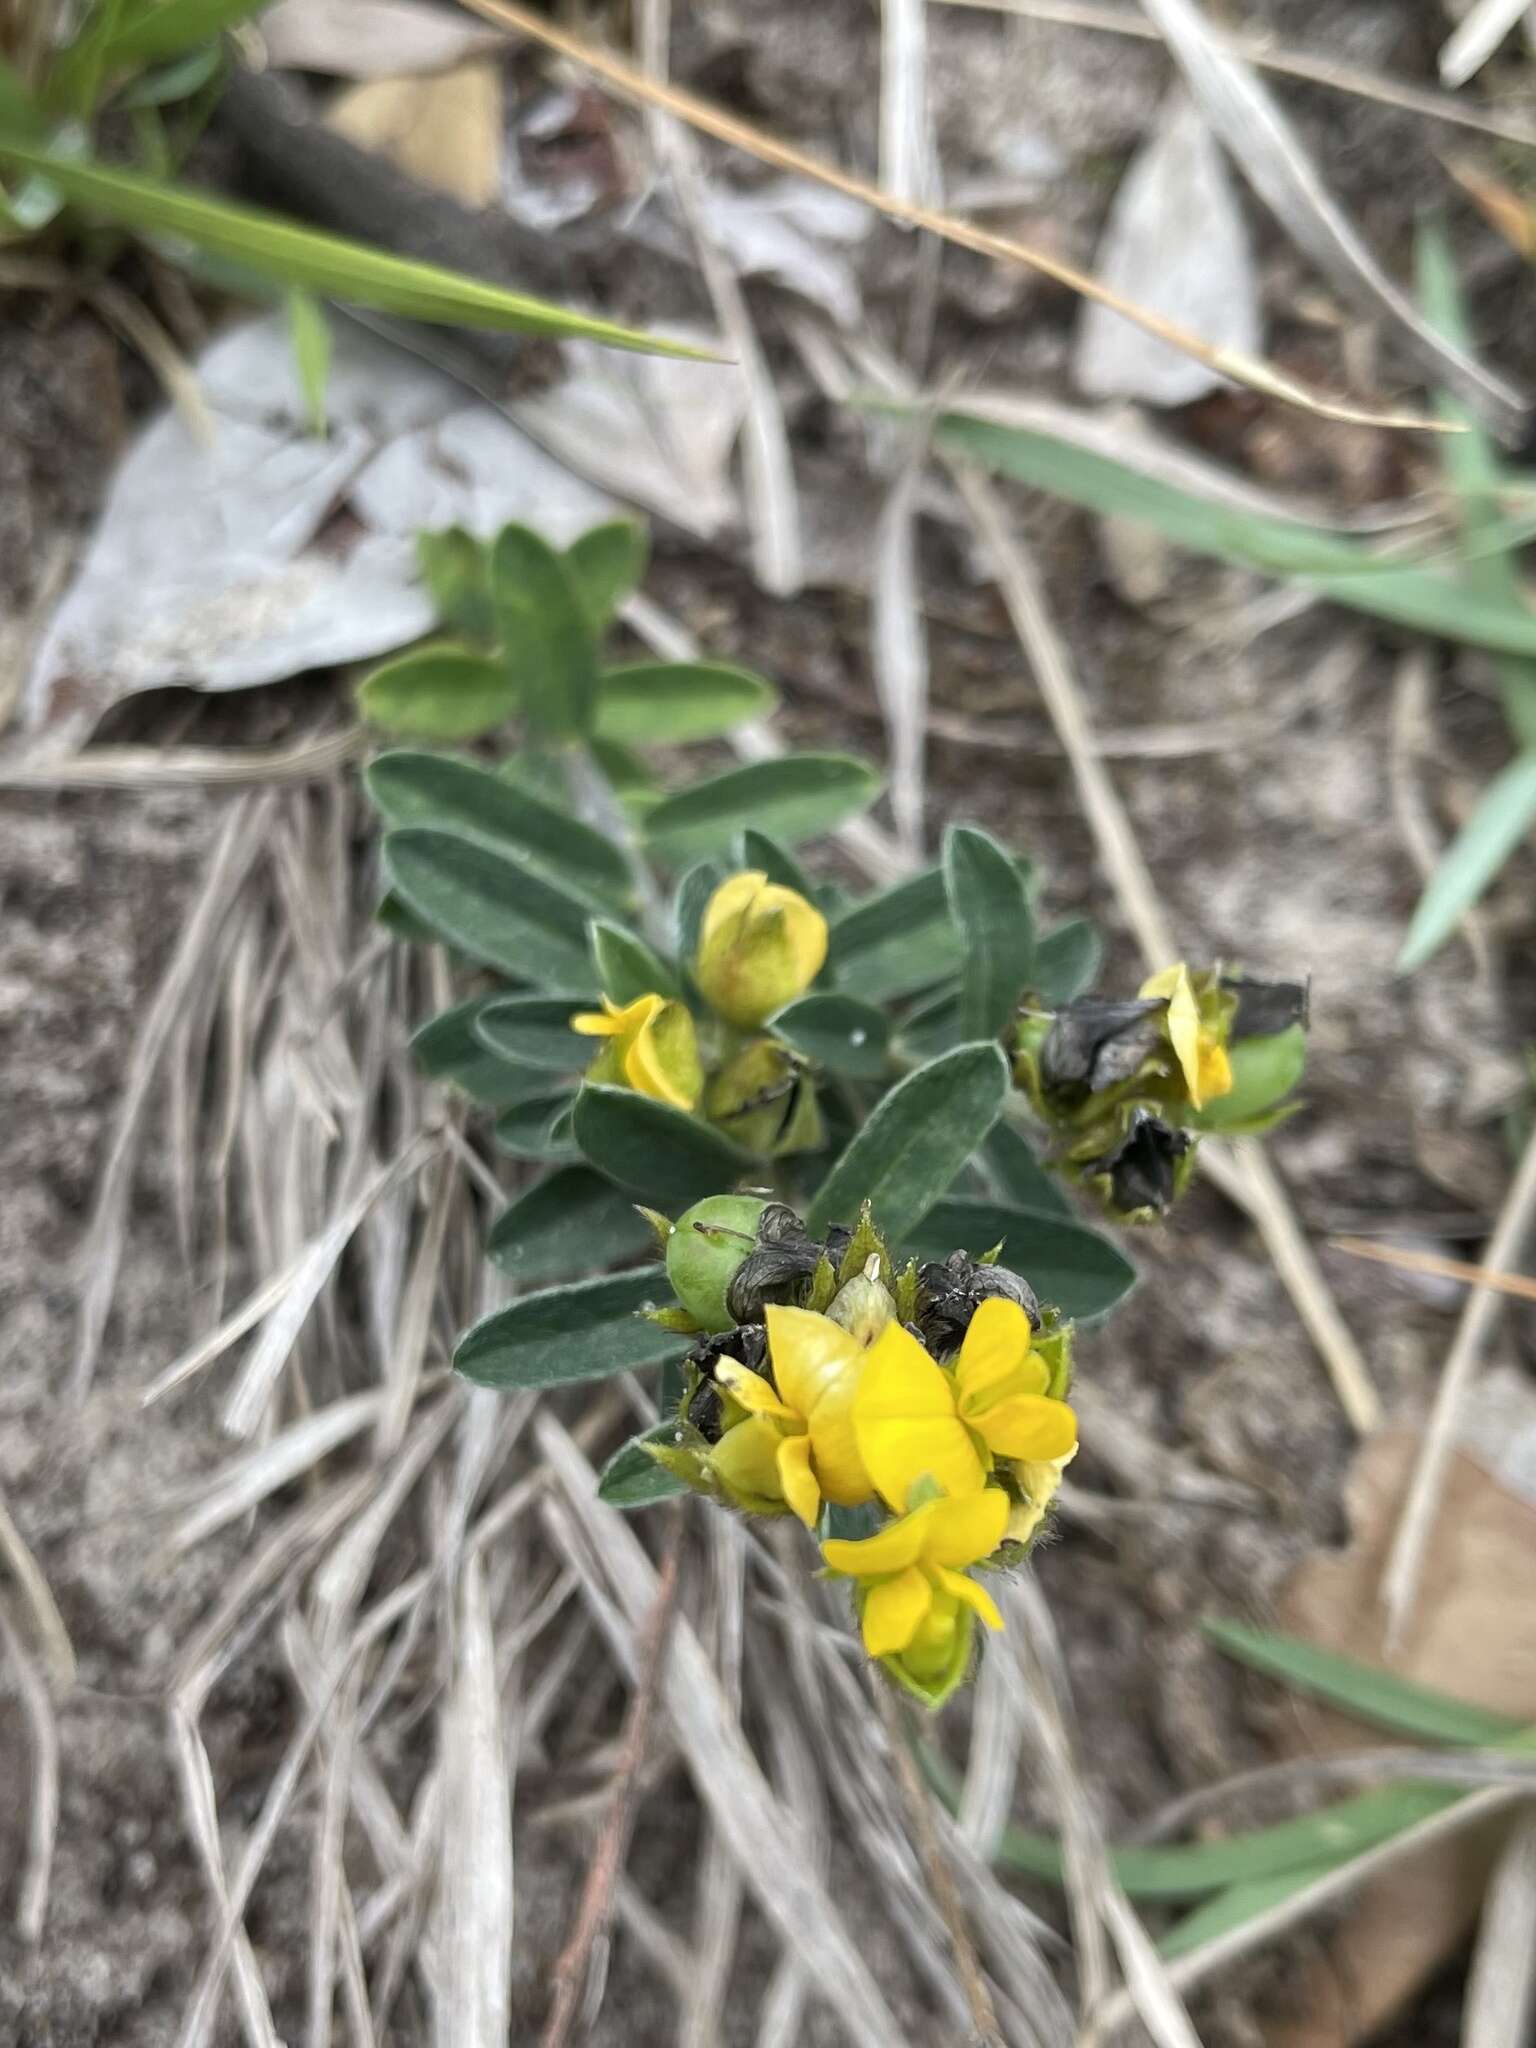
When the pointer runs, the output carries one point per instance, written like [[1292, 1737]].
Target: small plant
[[833, 1096]]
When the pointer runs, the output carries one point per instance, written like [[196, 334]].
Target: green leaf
[[1331, 564], [540, 1127], [990, 904], [626, 966], [448, 1050], [1018, 1176], [633, 1479], [181, 79], [762, 853], [688, 904], [1067, 961], [309, 332], [840, 1032], [1477, 478], [151, 34], [799, 796], [455, 796], [441, 692], [267, 245], [1417, 1711], [565, 1226], [664, 1157], [668, 703], [1069, 1266], [915, 1142], [898, 942], [1505, 813], [607, 562], [547, 641], [932, 1027], [494, 909], [583, 1332], [534, 1031], [456, 569], [1238, 1904]]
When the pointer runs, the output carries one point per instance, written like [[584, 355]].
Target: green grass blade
[[1236, 1906], [1379, 1697], [1505, 812], [329, 265]]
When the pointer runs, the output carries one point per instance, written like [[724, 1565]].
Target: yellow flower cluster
[[760, 946], [851, 1424]]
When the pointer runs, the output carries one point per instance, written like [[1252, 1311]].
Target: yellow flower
[[796, 1444], [651, 1048], [915, 1422], [1200, 1051], [760, 946], [913, 1598]]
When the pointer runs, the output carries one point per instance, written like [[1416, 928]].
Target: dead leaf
[[1473, 1634], [371, 38], [448, 129], [1203, 281]]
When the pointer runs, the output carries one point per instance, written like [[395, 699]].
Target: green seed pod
[[705, 1249], [1264, 1071]]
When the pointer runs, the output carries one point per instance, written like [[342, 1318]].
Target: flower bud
[[764, 1099], [704, 1251], [760, 946], [650, 1047], [863, 1305], [1264, 1071]]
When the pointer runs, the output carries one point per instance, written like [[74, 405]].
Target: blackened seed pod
[[1096, 1044], [1265, 1008], [749, 1347], [777, 1270], [1141, 1169], [952, 1292]]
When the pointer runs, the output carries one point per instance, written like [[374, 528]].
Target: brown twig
[[936, 1868], [1520, 1285], [597, 1898]]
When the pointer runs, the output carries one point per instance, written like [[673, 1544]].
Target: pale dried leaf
[[1501, 1989], [1203, 279], [448, 130], [899, 651], [1478, 34], [371, 38], [238, 1486]]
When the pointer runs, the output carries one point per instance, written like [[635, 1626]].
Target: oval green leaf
[[564, 1226], [688, 905], [535, 1031], [538, 1128], [439, 693], [1067, 961], [547, 641], [456, 569], [839, 1032], [1069, 1266], [454, 795], [607, 562], [626, 966], [666, 1158], [795, 798], [990, 904], [489, 906], [898, 942], [633, 1479], [917, 1140], [449, 1050], [1013, 1169], [668, 703], [583, 1332]]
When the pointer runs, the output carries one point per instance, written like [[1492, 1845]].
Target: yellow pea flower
[[915, 1603], [796, 1444], [1039, 1481], [1200, 1051], [1000, 1387], [760, 946], [913, 1421], [651, 1048]]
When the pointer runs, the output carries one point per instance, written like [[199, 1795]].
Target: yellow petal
[[594, 1024], [835, 1452], [1182, 1021], [734, 897], [890, 1549], [797, 1479], [995, 1357], [811, 1355], [894, 1611], [971, 1595], [1028, 1426], [745, 1461], [898, 1454], [900, 1379], [962, 1531], [1215, 1068], [663, 1059], [751, 1390]]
